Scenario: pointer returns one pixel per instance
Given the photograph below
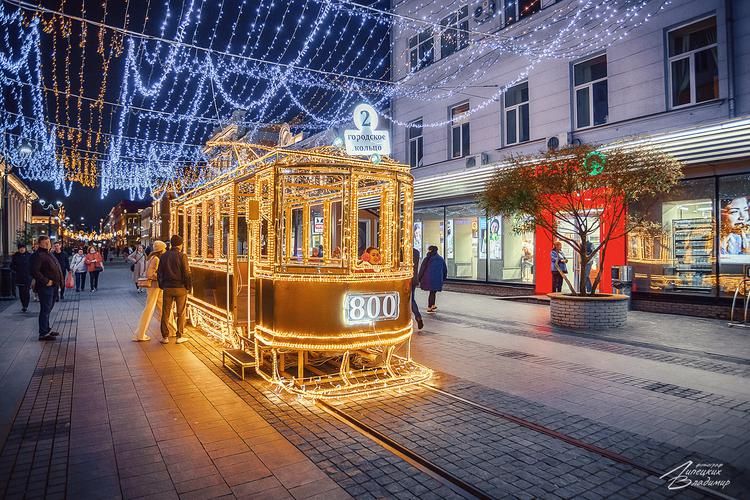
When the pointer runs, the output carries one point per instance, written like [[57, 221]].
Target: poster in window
[[317, 224], [495, 238], [418, 235], [734, 227], [482, 238], [449, 240]]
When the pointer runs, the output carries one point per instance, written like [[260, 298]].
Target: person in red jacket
[[48, 277], [94, 265]]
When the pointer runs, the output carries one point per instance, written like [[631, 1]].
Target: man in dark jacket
[[21, 265], [175, 279], [414, 283], [64, 261], [47, 276]]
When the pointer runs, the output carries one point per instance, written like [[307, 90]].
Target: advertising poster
[[318, 225], [449, 240], [496, 238], [734, 241], [418, 236]]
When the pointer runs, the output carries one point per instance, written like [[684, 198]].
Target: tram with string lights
[[304, 259]]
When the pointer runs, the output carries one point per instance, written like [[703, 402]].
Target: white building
[[680, 79]]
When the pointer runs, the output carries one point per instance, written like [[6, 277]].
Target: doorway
[[569, 229]]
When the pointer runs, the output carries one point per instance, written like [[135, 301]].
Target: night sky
[[73, 67]]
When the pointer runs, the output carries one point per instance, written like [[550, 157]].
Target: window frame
[[459, 17], [459, 122], [516, 108], [517, 11], [416, 48], [690, 55], [419, 140], [590, 86]]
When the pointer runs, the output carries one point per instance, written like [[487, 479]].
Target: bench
[[239, 358]]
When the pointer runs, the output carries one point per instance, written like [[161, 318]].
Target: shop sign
[[317, 225], [365, 140], [594, 162]]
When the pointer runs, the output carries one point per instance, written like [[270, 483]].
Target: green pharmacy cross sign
[[594, 162]]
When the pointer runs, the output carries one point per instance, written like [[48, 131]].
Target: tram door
[[568, 229]]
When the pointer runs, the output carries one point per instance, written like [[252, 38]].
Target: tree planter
[[599, 312]]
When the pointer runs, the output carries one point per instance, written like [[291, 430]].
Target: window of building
[[460, 140], [416, 143], [455, 32], [693, 63], [421, 50], [517, 114], [429, 229], [510, 254], [515, 10], [591, 103], [465, 257], [734, 231], [676, 255]]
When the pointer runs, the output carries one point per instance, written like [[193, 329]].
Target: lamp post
[[50, 207], [7, 291]]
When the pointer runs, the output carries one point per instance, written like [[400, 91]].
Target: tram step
[[242, 359]]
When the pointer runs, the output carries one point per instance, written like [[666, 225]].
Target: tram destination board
[[367, 308]]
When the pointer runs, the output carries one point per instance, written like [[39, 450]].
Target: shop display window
[[675, 253], [429, 229], [465, 253], [734, 231], [510, 254]]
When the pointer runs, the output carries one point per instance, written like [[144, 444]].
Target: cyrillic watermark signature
[[707, 475]]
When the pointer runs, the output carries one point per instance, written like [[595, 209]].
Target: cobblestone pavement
[[102, 416]]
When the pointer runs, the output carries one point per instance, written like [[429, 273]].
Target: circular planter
[[599, 312]]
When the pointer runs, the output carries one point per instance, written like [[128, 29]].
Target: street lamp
[[6, 275], [50, 207]]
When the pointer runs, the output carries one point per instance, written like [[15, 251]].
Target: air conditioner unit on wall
[[484, 11], [476, 160], [558, 141]]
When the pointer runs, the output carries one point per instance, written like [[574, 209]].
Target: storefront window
[[734, 231], [511, 255], [428, 229], [463, 255], [675, 254]]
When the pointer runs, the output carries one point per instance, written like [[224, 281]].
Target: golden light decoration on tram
[[280, 248]]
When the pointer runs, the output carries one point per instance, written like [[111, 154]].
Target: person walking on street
[[414, 283], [558, 266], [64, 261], [78, 266], [47, 277], [21, 265], [175, 281], [432, 274], [94, 265], [153, 292], [34, 248], [137, 261]]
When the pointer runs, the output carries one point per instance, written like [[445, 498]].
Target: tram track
[[458, 484]]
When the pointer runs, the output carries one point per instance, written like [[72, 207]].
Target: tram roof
[[254, 158]]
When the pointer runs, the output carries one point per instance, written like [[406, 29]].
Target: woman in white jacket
[[138, 261], [78, 266], [149, 283]]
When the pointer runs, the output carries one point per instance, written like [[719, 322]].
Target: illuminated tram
[[278, 251]]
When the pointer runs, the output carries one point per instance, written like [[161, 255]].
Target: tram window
[[181, 225], [225, 236], [210, 232], [188, 235], [317, 228], [294, 234], [241, 236], [264, 237]]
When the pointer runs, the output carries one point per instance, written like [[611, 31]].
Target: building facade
[[677, 82], [124, 223], [21, 199], [146, 223]]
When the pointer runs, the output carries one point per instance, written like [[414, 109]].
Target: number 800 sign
[[366, 308]]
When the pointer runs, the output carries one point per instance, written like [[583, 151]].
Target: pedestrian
[[105, 252], [64, 261], [558, 266], [175, 280], [48, 277], [95, 266], [589, 265], [78, 266], [414, 283], [21, 265], [34, 248], [431, 275], [137, 261], [153, 293]]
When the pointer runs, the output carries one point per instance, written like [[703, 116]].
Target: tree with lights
[[571, 187]]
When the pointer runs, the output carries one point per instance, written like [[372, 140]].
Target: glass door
[[569, 230]]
